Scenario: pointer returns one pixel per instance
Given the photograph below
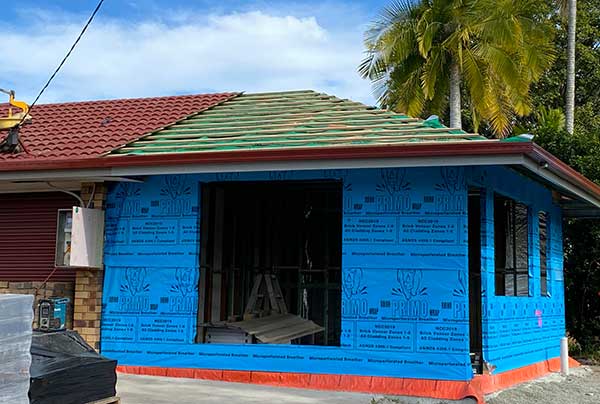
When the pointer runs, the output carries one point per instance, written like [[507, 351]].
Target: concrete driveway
[[134, 389], [581, 387]]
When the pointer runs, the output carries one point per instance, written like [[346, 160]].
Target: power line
[[85, 27]]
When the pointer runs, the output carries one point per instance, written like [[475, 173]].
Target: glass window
[[511, 246], [544, 244]]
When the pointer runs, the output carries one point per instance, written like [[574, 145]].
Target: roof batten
[[290, 120]]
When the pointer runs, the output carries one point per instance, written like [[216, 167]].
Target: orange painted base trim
[[442, 389], [487, 384]]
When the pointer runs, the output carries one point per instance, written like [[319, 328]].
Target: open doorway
[[270, 262], [475, 333]]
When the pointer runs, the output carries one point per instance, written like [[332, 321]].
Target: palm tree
[[569, 7], [421, 55]]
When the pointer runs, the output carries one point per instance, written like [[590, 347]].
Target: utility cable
[[3, 146], [73, 194], [85, 27]]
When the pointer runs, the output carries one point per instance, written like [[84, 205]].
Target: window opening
[[511, 247]]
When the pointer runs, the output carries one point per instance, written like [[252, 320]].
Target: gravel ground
[[582, 386]]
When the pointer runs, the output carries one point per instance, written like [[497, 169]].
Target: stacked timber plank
[[273, 329]]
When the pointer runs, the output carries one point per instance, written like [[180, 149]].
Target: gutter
[[484, 152], [566, 172], [429, 149]]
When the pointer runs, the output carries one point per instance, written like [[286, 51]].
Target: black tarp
[[66, 370]]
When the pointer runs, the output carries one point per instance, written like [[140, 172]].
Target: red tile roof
[[88, 129]]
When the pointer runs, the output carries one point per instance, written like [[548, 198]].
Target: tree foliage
[[501, 47], [581, 150], [582, 236]]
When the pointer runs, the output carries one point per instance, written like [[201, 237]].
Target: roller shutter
[[28, 235]]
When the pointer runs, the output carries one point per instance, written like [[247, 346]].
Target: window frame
[[520, 275], [545, 258]]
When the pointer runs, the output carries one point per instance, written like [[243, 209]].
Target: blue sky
[[138, 48]]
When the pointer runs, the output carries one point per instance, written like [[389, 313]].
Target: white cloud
[[252, 51]]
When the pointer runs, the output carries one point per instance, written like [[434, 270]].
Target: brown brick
[[90, 316], [3, 284], [83, 280], [79, 323], [92, 339], [82, 295]]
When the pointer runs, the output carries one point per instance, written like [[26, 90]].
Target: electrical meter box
[[79, 238]]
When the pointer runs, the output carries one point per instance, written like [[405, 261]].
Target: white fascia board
[[121, 173], [560, 182], [7, 187], [320, 165], [55, 175]]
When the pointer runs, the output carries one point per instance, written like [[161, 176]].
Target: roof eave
[[422, 149], [527, 154]]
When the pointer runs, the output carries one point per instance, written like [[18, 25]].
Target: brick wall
[[87, 311], [88, 305], [51, 289]]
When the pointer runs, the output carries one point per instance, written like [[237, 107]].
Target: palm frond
[[474, 71], [550, 118], [500, 46], [497, 109], [434, 67], [501, 61]]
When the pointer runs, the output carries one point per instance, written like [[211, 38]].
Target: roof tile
[[91, 128]]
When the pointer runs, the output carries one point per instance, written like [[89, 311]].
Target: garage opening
[[270, 263]]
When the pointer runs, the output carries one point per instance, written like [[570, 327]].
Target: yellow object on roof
[[13, 120]]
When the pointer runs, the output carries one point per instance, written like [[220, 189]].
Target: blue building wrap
[[405, 293], [519, 331]]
